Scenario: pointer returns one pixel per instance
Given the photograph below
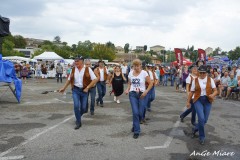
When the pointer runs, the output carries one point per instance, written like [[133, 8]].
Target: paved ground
[[41, 128]]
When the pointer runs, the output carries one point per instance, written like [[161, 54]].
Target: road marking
[[169, 138], [34, 137], [12, 157]]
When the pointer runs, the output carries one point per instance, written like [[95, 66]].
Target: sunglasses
[[202, 72]]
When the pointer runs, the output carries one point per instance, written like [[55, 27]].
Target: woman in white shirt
[[204, 90], [137, 93]]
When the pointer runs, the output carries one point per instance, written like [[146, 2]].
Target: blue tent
[[225, 59], [8, 75]]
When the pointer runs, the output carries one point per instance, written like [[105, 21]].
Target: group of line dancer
[[140, 90], [201, 92], [85, 81]]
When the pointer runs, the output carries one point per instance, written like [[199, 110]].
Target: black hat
[[199, 61], [190, 67], [202, 68], [79, 58]]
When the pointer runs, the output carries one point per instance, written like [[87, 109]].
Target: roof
[[48, 56], [157, 46]]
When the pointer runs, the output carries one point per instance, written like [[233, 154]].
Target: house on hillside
[[208, 50], [157, 48]]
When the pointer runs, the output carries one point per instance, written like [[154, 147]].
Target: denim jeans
[[59, 75], [165, 79], [137, 105], [172, 80], [101, 87], [161, 79], [79, 102], [189, 110], [151, 97], [146, 100], [92, 93], [203, 108]]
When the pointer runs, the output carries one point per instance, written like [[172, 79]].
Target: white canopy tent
[[48, 56]]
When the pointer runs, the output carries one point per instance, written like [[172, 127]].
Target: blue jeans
[[101, 87], [151, 97], [92, 93], [59, 75], [79, 102], [203, 108], [187, 111], [172, 80], [137, 105], [161, 79], [165, 79]]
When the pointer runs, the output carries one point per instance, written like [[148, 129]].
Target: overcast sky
[[170, 23]]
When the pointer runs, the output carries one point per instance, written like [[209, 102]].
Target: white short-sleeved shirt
[[102, 73], [124, 69], [150, 75], [156, 75], [188, 81], [138, 82], [238, 73], [203, 83], [78, 76]]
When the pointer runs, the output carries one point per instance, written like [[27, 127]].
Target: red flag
[[201, 55], [179, 56]]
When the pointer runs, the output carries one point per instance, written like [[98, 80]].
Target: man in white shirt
[[81, 82], [125, 70], [102, 72]]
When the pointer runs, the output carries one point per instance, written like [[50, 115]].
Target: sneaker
[[136, 135], [115, 98], [118, 101], [78, 126], [201, 142]]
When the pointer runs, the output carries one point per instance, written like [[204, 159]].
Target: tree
[[193, 55], [217, 51], [57, 39], [234, 54], [145, 48], [110, 45], [84, 48], [146, 58], [126, 48], [19, 41], [164, 53], [7, 48], [101, 51]]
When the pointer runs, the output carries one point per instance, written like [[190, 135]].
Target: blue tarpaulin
[[8, 75]]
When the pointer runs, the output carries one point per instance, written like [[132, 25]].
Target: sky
[[169, 23]]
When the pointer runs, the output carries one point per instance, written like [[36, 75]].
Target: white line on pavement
[[12, 157], [169, 139], [33, 137]]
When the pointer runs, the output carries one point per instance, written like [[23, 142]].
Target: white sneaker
[[118, 101], [114, 98]]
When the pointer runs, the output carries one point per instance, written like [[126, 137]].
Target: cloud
[[138, 22]]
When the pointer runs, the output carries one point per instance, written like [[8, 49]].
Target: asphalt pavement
[[41, 127]]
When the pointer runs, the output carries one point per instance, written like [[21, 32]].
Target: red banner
[[202, 55], [179, 56]]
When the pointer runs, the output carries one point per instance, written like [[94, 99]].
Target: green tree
[[193, 55], [19, 41], [110, 45], [145, 48], [217, 51], [234, 54], [145, 58], [7, 48], [101, 51], [126, 48], [57, 39], [84, 48]]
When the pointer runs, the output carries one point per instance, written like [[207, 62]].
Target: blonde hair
[[136, 62]]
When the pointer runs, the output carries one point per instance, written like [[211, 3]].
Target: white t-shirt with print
[[203, 83], [138, 82]]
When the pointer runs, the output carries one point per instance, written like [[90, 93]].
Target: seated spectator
[[216, 78], [232, 85], [223, 83]]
